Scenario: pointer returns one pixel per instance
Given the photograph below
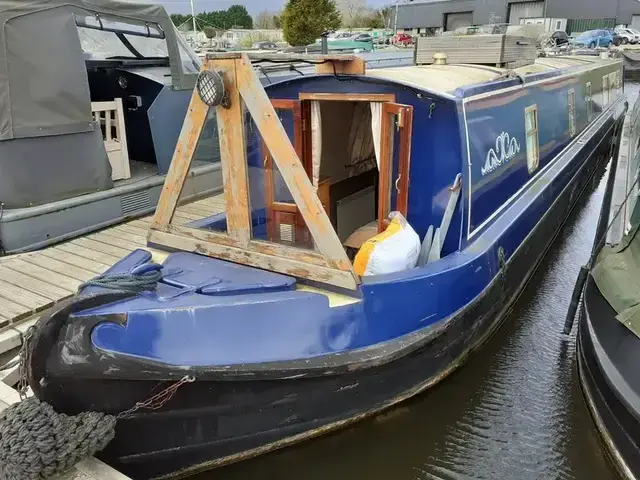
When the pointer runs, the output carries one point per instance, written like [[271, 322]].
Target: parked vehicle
[[625, 36], [617, 38], [635, 33], [265, 46], [553, 39], [560, 37], [383, 39], [593, 39], [402, 39], [361, 37], [339, 36]]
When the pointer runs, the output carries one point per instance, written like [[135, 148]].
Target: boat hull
[[616, 416], [218, 420]]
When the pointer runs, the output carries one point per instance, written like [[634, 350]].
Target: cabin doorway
[[355, 149]]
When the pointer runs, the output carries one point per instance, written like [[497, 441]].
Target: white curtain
[[376, 126], [316, 142]]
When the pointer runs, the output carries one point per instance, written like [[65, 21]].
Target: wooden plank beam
[[356, 66], [61, 280], [74, 258], [264, 248], [233, 156], [290, 167], [280, 57], [287, 266], [53, 265], [31, 286], [185, 148], [349, 97], [29, 300], [117, 252], [12, 310]]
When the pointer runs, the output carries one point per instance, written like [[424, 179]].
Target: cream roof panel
[[447, 78]]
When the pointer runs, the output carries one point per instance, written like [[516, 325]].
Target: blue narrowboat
[[254, 318]]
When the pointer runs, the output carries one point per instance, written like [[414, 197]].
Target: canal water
[[514, 411]]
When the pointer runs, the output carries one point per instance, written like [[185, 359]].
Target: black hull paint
[[210, 423], [617, 416]]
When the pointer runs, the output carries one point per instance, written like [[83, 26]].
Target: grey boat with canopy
[[93, 95]]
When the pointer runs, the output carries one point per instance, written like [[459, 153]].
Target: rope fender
[[36, 442]]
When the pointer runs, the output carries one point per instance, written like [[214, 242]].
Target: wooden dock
[[32, 282]]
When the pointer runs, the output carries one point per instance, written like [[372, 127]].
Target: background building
[[421, 16]]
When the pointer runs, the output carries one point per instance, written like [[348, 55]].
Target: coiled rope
[[142, 278], [36, 442]]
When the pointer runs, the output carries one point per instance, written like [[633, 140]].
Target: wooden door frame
[[405, 122]]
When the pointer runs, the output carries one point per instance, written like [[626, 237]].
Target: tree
[[304, 20], [264, 20], [277, 22], [209, 32], [179, 19], [367, 18], [237, 16], [386, 13], [350, 10]]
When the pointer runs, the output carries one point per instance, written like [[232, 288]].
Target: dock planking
[[32, 282]]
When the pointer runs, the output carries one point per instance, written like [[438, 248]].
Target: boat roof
[[446, 79]]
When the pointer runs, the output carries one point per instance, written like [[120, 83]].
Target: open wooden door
[[395, 155], [284, 221]]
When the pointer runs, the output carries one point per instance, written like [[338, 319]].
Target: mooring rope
[[140, 279], [36, 442]]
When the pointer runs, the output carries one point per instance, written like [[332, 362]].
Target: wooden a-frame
[[329, 264]]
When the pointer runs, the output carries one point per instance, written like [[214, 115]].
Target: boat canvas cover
[[43, 81], [617, 275]]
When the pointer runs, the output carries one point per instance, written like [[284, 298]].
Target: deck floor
[[32, 282]]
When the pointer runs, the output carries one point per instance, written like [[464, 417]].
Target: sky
[[254, 6]]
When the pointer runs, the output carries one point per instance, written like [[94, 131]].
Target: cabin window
[[589, 101], [531, 128], [605, 90], [572, 112]]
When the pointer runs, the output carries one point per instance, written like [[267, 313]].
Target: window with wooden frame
[[531, 132], [245, 147], [572, 111], [605, 90], [588, 97]]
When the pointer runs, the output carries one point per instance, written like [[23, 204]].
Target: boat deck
[[32, 282]]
